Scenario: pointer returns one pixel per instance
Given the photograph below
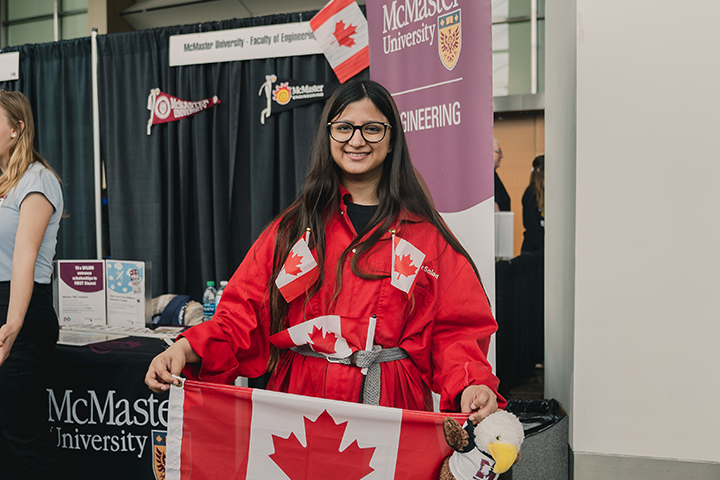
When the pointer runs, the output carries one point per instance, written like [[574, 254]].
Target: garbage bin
[[544, 454]]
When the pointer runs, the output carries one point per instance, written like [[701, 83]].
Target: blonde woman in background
[[31, 204]]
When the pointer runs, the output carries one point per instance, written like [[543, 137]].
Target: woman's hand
[[480, 400], [8, 335], [159, 376]]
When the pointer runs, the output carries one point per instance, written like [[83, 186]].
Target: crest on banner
[[159, 439], [449, 38]]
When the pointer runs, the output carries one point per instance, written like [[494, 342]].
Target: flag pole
[[96, 146]]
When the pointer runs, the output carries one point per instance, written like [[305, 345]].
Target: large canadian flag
[[406, 262], [342, 31], [332, 335], [223, 431], [298, 273]]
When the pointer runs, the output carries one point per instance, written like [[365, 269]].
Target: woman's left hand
[[7, 339], [480, 400]]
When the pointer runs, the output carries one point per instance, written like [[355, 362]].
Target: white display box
[[504, 230], [128, 293], [79, 288]]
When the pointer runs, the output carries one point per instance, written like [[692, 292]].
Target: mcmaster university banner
[[435, 58]]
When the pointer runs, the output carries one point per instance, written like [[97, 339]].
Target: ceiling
[[163, 13]]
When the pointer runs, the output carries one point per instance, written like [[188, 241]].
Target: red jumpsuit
[[445, 329]]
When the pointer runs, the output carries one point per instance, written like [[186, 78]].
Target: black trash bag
[[536, 415]]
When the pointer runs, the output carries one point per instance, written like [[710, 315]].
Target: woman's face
[[359, 160], [7, 132]]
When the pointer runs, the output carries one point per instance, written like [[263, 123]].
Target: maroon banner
[[435, 57], [166, 108]]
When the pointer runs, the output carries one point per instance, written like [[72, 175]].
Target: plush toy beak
[[504, 455]]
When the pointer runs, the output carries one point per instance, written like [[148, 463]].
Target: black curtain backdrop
[[520, 314], [193, 196], [56, 78]]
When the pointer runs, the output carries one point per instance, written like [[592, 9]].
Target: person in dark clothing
[[502, 199], [533, 202]]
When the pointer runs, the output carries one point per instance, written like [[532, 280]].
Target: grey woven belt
[[363, 359]]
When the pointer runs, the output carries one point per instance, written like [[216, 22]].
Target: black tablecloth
[[108, 424]]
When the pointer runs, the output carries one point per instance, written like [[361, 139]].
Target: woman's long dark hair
[[398, 191], [537, 180]]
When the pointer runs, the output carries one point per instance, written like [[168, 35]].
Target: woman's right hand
[[159, 376]]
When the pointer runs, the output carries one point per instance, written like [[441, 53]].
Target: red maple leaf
[[321, 458], [292, 264], [342, 34], [322, 343], [404, 266]]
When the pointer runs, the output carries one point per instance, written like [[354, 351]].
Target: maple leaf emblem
[[322, 343], [322, 456], [404, 266], [342, 34], [292, 264]]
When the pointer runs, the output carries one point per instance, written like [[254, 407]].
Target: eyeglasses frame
[[358, 127]]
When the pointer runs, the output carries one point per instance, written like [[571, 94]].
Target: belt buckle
[[333, 359], [349, 360]]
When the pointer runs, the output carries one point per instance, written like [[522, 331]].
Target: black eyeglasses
[[372, 132]]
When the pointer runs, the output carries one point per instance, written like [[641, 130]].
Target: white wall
[[560, 136], [646, 365]]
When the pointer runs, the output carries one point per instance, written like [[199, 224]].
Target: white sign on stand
[[504, 237], [9, 66]]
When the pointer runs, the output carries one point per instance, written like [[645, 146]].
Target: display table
[[106, 421]]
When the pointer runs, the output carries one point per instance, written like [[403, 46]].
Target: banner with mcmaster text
[[435, 58], [223, 431]]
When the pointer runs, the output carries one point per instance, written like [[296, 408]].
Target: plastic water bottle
[[209, 301], [220, 291]]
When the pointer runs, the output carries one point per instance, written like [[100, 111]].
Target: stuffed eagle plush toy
[[482, 451]]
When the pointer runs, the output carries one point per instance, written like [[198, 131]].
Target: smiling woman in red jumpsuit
[[364, 217]]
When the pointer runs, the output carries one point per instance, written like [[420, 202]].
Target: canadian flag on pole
[[342, 31], [223, 431], [298, 273], [406, 263], [332, 335]]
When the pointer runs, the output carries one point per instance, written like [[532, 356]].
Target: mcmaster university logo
[[449, 38]]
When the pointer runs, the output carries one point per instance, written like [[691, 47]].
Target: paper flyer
[[127, 302], [80, 292]]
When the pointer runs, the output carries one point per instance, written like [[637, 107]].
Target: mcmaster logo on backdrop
[[97, 422], [284, 94]]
